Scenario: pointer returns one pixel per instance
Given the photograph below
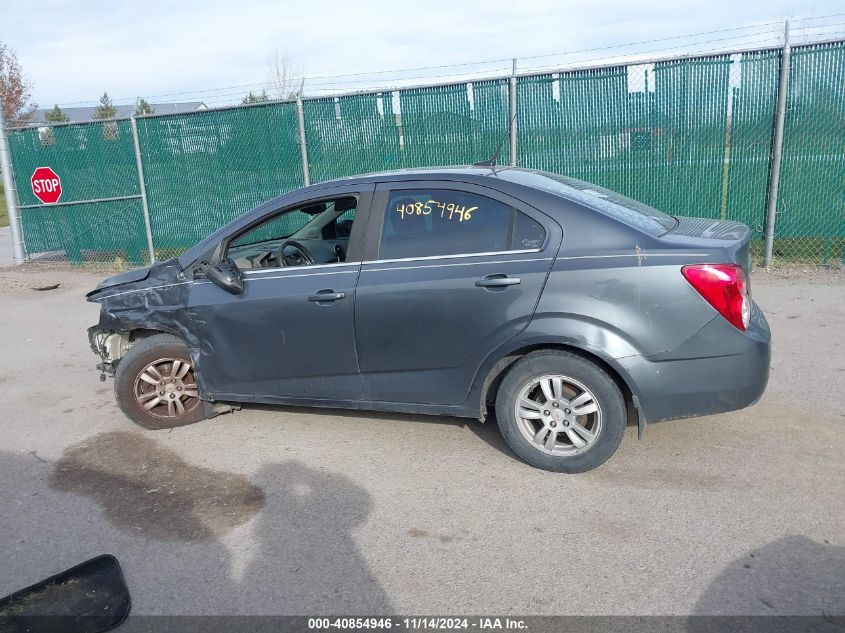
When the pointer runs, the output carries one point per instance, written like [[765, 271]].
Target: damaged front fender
[[151, 303]]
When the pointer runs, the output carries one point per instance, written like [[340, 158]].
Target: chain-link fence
[[690, 136], [810, 223]]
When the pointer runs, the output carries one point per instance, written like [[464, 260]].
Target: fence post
[[11, 193], [777, 149], [303, 146], [143, 186], [512, 114]]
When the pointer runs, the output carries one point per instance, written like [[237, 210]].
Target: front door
[[290, 334], [459, 271]]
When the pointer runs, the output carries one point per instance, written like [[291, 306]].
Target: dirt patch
[[18, 284], [832, 275], [146, 488]]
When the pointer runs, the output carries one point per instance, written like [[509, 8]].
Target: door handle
[[498, 280], [327, 295]]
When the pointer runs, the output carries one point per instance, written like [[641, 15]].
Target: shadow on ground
[[297, 550], [791, 576], [488, 431]]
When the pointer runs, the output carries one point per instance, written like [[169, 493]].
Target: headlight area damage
[[140, 304]]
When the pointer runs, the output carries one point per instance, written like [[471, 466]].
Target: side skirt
[[460, 411]]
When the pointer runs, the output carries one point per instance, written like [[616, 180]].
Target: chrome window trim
[[643, 255], [307, 274], [304, 274], [457, 256], [503, 261], [276, 269]]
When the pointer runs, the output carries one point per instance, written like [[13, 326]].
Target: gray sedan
[[566, 308]]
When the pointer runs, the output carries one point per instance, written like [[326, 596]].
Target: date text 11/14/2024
[[419, 623]]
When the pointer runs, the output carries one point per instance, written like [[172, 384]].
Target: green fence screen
[[94, 161], [690, 137], [811, 203]]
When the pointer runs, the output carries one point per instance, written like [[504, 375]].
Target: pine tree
[[105, 110], [143, 108], [56, 115], [255, 97]]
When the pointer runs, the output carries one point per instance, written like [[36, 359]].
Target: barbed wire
[[217, 96]]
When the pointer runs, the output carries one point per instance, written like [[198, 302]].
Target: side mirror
[[226, 275]]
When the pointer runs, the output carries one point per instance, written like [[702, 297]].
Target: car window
[[320, 228], [527, 234], [341, 227], [609, 202], [279, 227], [431, 222]]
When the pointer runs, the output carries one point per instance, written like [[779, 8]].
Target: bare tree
[[15, 88], [284, 79]]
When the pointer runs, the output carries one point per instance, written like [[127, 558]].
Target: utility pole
[[11, 193], [143, 188], [777, 149], [512, 114], [303, 145]]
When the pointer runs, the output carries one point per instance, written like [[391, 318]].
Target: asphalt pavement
[[296, 511]]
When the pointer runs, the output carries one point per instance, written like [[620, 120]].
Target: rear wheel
[[560, 412], [155, 386]]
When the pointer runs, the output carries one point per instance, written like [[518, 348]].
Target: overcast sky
[[74, 50]]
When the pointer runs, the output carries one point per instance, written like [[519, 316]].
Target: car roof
[[456, 173], [507, 179]]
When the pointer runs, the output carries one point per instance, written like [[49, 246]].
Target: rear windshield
[[609, 202]]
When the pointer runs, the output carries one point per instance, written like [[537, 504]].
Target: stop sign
[[46, 185]]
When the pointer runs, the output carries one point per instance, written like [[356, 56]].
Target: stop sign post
[[46, 185]]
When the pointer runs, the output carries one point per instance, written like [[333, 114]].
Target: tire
[[161, 356], [552, 442]]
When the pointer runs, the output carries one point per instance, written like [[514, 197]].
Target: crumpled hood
[[123, 278], [155, 275]]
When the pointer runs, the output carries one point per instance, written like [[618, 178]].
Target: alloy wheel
[[166, 388], [558, 415]]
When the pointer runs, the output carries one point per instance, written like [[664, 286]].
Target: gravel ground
[[287, 510]]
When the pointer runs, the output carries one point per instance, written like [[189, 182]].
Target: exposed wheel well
[[135, 335], [116, 344], [497, 373]]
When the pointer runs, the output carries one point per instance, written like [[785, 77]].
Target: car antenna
[[491, 162]]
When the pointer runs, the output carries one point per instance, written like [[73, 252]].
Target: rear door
[[451, 271]]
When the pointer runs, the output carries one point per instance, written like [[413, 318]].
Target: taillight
[[724, 288]]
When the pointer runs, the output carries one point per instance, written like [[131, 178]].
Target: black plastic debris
[[88, 598]]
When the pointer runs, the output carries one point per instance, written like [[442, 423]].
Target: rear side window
[[425, 223]]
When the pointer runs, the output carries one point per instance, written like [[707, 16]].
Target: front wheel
[[560, 412], [154, 384]]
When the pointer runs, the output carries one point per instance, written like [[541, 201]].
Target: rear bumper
[[718, 369]]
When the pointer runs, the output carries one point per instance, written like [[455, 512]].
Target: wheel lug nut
[[547, 412], [555, 405], [567, 411], [553, 424], [172, 395], [179, 388]]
